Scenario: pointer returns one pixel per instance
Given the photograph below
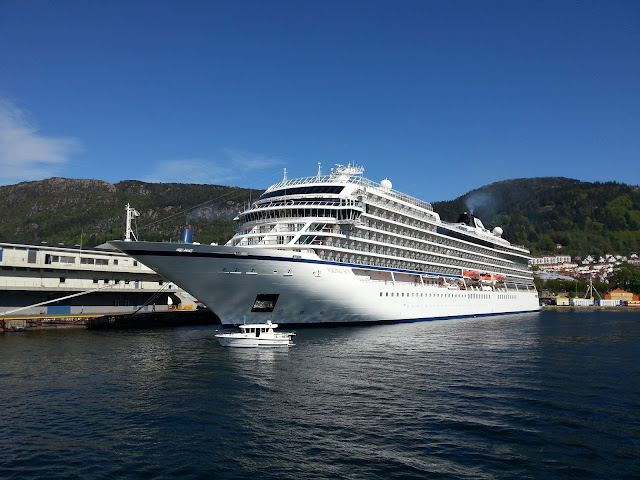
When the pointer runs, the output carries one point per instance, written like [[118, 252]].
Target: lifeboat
[[486, 278], [499, 278], [475, 276]]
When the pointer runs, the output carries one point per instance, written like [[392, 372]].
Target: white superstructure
[[341, 248]]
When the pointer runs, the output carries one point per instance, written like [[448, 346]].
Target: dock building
[[50, 281]]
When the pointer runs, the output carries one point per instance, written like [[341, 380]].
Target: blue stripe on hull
[[403, 320]]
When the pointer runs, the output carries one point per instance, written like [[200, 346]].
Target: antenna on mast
[[285, 175], [591, 289], [319, 170], [132, 213]]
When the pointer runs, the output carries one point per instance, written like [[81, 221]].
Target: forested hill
[[542, 212], [90, 212], [538, 212]]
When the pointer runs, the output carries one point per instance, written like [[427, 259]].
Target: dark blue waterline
[[359, 323]]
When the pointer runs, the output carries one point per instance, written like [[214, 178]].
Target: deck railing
[[354, 179]]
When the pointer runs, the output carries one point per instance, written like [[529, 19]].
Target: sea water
[[544, 395]]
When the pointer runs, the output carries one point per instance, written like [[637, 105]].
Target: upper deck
[[348, 175], [329, 192]]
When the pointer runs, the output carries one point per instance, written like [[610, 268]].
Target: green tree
[[627, 277]]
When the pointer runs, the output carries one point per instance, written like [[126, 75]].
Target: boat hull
[[252, 342], [254, 285]]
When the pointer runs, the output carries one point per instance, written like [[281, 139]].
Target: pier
[[623, 308], [171, 318]]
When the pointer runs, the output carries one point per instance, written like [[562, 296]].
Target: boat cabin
[[258, 329]]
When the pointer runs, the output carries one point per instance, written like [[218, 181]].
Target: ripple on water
[[523, 396]]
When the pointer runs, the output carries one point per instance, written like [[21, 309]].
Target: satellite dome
[[497, 231], [386, 184]]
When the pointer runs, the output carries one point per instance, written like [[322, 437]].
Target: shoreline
[[170, 318], [181, 318], [590, 307]]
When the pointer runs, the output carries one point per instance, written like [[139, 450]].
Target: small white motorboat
[[256, 335]]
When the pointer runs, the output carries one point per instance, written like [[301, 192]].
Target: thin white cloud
[[236, 167], [247, 162], [188, 170], [24, 153]]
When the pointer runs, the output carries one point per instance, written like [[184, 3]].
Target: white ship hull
[[302, 289]]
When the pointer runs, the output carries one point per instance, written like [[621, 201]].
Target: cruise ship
[[340, 248]]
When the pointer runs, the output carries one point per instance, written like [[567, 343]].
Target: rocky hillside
[[585, 218], [543, 212], [60, 210]]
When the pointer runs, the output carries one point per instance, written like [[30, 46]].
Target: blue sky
[[441, 97]]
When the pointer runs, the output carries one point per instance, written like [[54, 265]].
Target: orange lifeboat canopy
[[499, 278], [472, 275]]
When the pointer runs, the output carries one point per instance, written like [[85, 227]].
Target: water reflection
[[469, 398]]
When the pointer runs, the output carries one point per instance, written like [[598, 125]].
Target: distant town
[[596, 268], [592, 268]]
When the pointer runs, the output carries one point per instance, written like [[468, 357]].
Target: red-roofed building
[[623, 295]]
